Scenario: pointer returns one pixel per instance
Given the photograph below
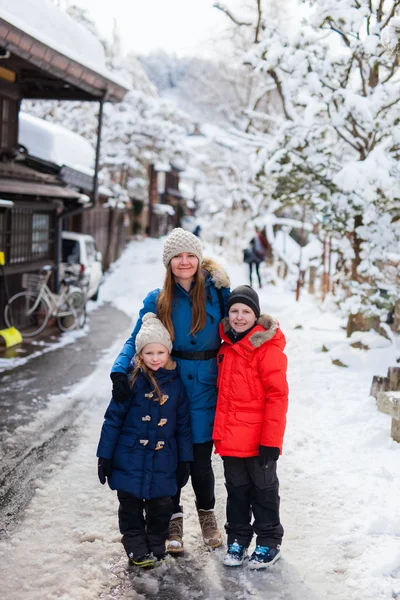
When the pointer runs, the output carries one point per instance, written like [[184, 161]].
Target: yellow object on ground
[[11, 336]]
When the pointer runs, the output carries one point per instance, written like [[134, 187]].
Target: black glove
[[120, 390], [268, 453], [104, 469], [182, 473]]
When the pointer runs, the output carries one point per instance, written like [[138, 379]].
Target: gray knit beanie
[[244, 294], [152, 331], [179, 241]]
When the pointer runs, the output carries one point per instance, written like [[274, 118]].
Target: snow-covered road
[[340, 480]]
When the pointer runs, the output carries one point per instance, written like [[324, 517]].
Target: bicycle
[[30, 311]]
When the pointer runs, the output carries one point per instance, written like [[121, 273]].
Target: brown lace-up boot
[[209, 528], [175, 541]]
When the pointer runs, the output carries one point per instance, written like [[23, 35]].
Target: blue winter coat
[[132, 430], [198, 376]]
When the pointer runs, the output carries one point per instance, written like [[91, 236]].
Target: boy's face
[[155, 356], [241, 317]]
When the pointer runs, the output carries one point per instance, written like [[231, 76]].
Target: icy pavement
[[340, 481]]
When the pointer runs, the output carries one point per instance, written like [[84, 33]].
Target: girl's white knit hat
[[179, 241], [152, 331]]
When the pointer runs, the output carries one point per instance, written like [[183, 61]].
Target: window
[[40, 235], [70, 251], [32, 235], [90, 251]]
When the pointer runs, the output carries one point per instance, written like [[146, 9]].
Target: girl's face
[[241, 317], [184, 265], [154, 356]]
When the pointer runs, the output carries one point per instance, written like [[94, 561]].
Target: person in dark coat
[[143, 443], [191, 304], [256, 253], [197, 231], [249, 427]]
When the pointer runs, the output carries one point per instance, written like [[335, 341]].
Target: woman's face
[[154, 356], [241, 317], [184, 265]]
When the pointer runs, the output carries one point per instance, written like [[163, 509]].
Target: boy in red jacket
[[249, 427]]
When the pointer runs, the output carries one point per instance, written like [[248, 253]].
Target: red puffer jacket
[[252, 390]]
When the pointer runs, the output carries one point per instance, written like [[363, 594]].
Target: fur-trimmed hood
[[218, 275], [258, 337]]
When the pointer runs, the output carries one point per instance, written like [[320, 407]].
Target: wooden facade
[[41, 200]]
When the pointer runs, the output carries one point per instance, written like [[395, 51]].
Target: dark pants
[[202, 477], [144, 523], [257, 266], [252, 489]]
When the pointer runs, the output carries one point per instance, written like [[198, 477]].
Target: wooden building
[[44, 54]]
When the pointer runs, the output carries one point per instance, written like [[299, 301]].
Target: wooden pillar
[[396, 322], [311, 279]]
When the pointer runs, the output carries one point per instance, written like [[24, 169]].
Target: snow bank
[[339, 475]]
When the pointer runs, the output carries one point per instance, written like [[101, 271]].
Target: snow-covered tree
[[334, 144]]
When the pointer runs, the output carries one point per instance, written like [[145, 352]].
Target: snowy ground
[[340, 480]]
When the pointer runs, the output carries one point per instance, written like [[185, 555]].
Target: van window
[[71, 251], [90, 251]]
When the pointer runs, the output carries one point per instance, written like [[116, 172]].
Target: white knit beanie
[[152, 331], [179, 241]]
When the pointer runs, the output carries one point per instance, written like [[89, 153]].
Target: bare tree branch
[[278, 84], [379, 11], [388, 106], [391, 14], [259, 15], [228, 13]]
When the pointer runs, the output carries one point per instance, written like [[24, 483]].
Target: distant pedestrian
[[144, 443], [197, 230], [249, 426], [258, 251], [253, 259]]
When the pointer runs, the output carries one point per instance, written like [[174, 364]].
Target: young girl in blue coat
[[142, 442], [190, 305]]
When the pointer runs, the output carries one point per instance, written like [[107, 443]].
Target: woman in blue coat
[[142, 442], [190, 305]]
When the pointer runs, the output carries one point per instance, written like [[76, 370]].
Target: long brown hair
[[166, 298], [150, 374]]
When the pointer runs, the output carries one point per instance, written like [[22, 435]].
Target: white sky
[[183, 27]]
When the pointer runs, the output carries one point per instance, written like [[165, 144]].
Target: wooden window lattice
[[32, 235]]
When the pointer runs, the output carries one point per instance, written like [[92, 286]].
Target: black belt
[[201, 355]]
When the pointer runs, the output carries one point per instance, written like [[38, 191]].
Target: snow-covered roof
[[46, 23], [163, 209], [162, 167], [55, 144]]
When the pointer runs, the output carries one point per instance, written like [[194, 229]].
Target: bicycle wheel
[[72, 313], [27, 314]]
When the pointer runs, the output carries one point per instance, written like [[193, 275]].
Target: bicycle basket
[[34, 281]]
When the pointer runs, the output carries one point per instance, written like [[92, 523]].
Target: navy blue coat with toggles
[[133, 430]]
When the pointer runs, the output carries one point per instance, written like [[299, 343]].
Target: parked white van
[[79, 252]]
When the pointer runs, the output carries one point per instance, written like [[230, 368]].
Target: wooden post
[[323, 278], [329, 276], [301, 273], [394, 376], [311, 280], [396, 322], [379, 384], [389, 403]]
